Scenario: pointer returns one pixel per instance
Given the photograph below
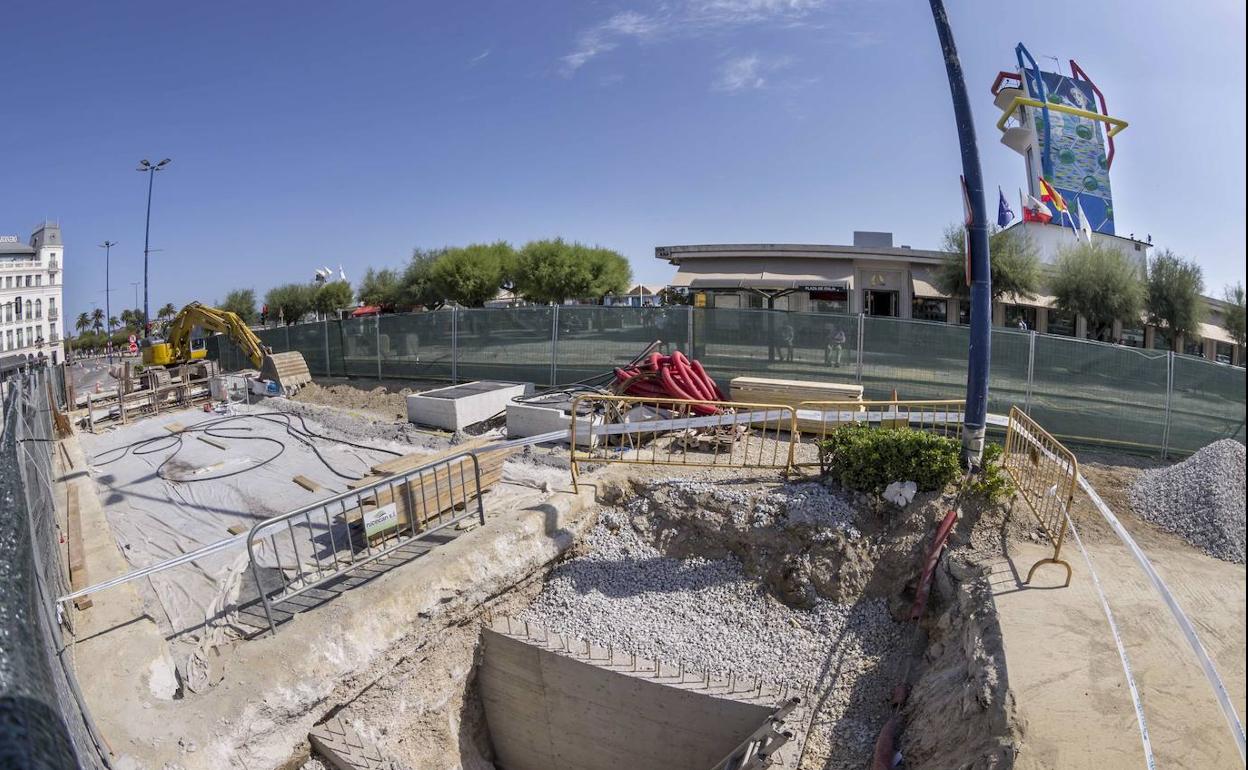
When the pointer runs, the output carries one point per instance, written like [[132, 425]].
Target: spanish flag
[[1050, 195]]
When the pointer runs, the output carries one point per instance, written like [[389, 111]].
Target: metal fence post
[[1165, 432], [377, 336], [554, 347], [287, 338], [693, 353], [454, 344], [327, 347], [1031, 369], [861, 323]]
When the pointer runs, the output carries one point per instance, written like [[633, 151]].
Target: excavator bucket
[[288, 370]]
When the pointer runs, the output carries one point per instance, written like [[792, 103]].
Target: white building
[[30, 294]]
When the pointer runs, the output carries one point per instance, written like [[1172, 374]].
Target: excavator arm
[[288, 370], [212, 319]]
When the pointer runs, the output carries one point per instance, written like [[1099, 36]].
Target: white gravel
[[706, 613], [1200, 499]]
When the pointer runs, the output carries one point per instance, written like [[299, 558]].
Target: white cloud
[[739, 74], [606, 36], [685, 18], [746, 73], [479, 57]]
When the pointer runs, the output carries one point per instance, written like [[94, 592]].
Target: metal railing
[[335, 536], [819, 418], [759, 749], [1045, 474], [649, 431]]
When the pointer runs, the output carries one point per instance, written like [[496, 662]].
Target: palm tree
[[168, 311], [113, 323], [83, 323], [127, 317], [97, 319]]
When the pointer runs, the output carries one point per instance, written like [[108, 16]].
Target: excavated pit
[[786, 588]]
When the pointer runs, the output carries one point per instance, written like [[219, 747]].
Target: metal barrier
[[650, 431], [819, 418], [350, 530], [44, 720], [1045, 475]]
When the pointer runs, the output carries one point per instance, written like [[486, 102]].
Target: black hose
[[218, 428]]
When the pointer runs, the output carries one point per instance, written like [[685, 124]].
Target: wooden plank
[[237, 529], [213, 442], [415, 460], [175, 427], [77, 559], [306, 483]]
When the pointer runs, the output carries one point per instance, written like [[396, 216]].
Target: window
[[834, 299], [1016, 313], [1133, 336], [39, 308], [38, 280], [8, 282], [17, 303], [1194, 346], [1061, 323], [19, 338], [1222, 352], [28, 309], [1161, 340], [8, 312], [964, 312], [8, 339], [925, 309]]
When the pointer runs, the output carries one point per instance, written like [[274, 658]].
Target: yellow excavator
[[288, 370]]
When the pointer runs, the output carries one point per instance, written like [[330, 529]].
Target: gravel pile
[[1200, 499], [707, 613]]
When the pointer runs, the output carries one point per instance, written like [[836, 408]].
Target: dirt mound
[[390, 403], [1200, 499], [804, 540]]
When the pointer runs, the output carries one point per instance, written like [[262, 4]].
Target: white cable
[[1149, 759]]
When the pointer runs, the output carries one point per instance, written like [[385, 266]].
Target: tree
[[416, 286], [166, 311], [379, 288], [332, 296], [1174, 296], [242, 302], [1015, 264], [1099, 283], [113, 323], [1234, 296], [97, 319], [472, 275], [289, 302], [554, 271], [82, 324]]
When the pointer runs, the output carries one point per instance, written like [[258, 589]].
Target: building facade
[[876, 278], [31, 279]]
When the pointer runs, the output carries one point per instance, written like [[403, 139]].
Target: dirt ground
[[381, 398], [1064, 669]]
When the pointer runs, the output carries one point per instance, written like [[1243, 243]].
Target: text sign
[[382, 519], [9, 239]]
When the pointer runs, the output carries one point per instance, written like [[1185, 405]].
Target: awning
[[1217, 333], [365, 310], [764, 284], [1038, 300], [923, 284]]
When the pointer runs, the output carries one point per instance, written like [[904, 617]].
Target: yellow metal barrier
[[644, 430], [1116, 124], [1045, 475], [819, 418]]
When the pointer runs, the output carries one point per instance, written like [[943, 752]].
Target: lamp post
[[151, 169], [979, 265], [108, 313]]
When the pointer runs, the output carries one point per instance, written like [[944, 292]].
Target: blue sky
[[306, 134]]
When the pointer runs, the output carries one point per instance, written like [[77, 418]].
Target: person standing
[[834, 347]]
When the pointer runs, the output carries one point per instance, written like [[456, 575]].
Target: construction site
[[651, 569]]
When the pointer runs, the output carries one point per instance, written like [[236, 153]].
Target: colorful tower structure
[[1062, 128]]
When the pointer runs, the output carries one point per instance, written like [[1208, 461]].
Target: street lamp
[[151, 169], [108, 313]]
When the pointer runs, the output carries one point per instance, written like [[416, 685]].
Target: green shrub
[[992, 483], [869, 459]]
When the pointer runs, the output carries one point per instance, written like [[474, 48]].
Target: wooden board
[[794, 391], [77, 559], [175, 427], [415, 460], [212, 442], [306, 483]]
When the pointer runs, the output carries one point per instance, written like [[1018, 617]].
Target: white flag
[[1084, 227]]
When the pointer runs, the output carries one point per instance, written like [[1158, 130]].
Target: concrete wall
[[548, 711]]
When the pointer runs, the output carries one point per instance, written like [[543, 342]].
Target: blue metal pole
[[147, 229], [979, 354]]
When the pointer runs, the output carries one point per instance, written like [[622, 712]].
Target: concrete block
[[534, 419], [459, 406]]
